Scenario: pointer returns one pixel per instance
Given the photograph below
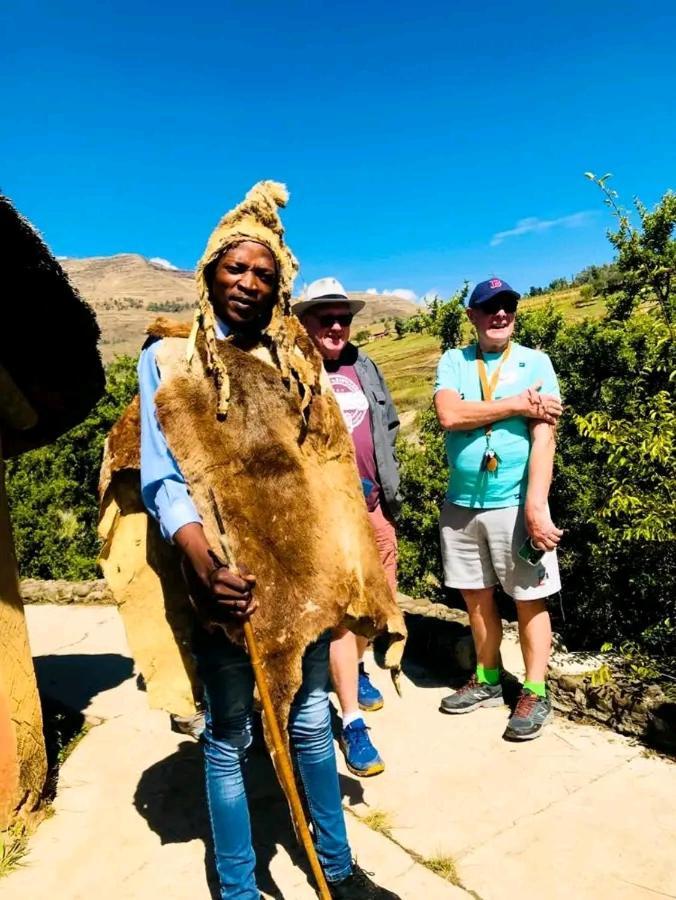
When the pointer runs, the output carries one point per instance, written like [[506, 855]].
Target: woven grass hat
[[256, 218]]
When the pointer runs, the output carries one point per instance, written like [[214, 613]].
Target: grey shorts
[[479, 548]]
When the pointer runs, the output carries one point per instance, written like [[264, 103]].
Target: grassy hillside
[[409, 365], [570, 303], [128, 291]]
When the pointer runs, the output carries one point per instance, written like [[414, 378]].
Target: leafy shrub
[[52, 491], [424, 476], [120, 303], [170, 306]]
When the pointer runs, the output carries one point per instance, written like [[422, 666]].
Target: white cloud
[[533, 224], [372, 290], [405, 294], [162, 263]]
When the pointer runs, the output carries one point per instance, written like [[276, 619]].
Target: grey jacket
[[385, 423]]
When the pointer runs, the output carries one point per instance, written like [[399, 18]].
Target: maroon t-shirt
[[354, 406]]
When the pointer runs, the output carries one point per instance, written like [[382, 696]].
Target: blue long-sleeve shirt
[[163, 486]]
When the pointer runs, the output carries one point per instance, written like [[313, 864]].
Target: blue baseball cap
[[486, 290]]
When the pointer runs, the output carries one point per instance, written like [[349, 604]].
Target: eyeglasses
[[326, 320], [495, 304]]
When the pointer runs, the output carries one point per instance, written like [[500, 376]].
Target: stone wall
[[634, 708], [33, 590], [439, 638]]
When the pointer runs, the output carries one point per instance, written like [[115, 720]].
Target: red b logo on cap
[[495, 283]]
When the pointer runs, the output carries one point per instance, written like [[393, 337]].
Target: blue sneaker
[[361, 757], [369, 697]]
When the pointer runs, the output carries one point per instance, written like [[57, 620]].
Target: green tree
[[646, 256], [448, 319], [400, 327]]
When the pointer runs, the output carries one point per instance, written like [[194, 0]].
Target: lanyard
[[488, 385]]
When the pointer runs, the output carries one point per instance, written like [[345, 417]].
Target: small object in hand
[[490, 461], [530, 553]]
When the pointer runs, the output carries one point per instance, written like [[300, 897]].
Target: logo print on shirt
[[353, 404]]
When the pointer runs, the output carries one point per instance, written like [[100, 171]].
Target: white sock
[[349, 718]]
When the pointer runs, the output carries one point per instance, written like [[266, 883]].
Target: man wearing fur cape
[[242, 446]]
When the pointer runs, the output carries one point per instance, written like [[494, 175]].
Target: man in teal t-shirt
[[498, 403]]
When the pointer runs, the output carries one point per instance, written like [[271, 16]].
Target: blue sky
[[422, 143]]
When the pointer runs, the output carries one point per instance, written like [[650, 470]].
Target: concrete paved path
[[580, 813]]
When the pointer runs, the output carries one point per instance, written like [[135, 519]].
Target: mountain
[[128, 291]]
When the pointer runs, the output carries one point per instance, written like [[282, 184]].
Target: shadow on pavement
[[75, 679], [171, 798], [438, 653]]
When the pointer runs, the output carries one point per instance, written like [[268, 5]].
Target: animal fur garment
[[289, 495], [143, 573]]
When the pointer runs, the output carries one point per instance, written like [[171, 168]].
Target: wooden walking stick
[[284, 766]]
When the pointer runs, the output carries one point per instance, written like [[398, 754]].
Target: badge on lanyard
[[490, 460]]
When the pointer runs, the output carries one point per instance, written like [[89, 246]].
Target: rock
[[438, 637], [568, 683], [662, 726], [34, 590]]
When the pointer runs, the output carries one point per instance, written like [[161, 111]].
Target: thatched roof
[[48, 342]]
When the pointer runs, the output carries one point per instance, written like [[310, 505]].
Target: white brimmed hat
[[322, 291]]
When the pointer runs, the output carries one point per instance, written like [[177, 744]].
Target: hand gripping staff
[[285, 768]]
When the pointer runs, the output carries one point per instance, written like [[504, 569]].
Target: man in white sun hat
[[326, 311]]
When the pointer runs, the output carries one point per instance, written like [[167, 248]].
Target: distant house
[[381, 333]]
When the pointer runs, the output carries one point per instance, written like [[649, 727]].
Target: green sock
[[537, 687], [487, 676]]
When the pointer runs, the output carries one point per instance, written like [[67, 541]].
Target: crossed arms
[[542, 411]]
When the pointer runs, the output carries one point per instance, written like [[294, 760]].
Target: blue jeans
[[229, 681]]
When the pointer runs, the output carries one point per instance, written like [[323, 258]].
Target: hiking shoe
[[191, 725], [358, 886], [530, 715], [471, 696], [361, 756], [369, 697]]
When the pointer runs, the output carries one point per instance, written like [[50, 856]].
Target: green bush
[[53, 491], [424, 476], [614, 480], [170, 306]]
